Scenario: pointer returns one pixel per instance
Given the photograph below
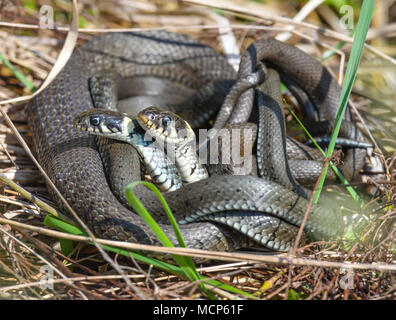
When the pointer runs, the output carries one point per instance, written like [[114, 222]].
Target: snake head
[[165, 126], [103, 122]]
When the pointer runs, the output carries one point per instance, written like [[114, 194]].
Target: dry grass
[[25, 256]]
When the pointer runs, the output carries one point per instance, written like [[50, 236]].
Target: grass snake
[[257, 209]]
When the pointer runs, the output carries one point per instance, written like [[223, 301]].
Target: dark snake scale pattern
[[240, 208]]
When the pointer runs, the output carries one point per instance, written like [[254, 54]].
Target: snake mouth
[[165, 125], [143, 119], [79, 124], [151, 127], [101, 122], [151, 119]]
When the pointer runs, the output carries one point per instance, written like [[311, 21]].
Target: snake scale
[[225, 212]]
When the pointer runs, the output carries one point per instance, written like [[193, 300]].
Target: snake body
[[176, 138], [313, 86], [255, 208]]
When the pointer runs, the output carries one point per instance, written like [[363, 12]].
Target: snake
[[112, 124], [177, 137], [223, 212]]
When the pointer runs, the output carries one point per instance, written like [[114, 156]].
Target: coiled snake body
[[255, 208]]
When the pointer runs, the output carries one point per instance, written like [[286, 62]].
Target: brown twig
[[226, 256]]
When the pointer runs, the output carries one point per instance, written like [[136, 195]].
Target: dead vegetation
[[29, 256]]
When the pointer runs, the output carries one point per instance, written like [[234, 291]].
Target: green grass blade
[[186, 263], [66, 246], [68, 228], [63, 226], [19, 75], [330, 53], [134, 202], [60, 225], [350, 76], [338, 173]]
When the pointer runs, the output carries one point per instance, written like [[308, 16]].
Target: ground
[[29, 53]]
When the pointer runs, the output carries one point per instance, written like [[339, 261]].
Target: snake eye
[[95, 120], [165, 121]]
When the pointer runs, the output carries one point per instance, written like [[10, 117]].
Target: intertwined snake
[[164, 68]]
